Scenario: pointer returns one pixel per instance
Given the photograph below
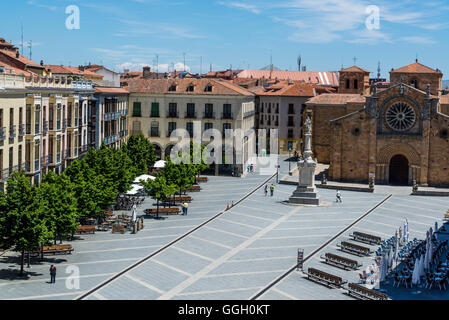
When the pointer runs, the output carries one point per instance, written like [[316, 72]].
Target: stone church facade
[[394, 135]]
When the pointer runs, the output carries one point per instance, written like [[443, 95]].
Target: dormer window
[[190, 88], [208, 88], [172, 87]]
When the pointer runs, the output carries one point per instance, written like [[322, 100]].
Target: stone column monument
[[306, 193]]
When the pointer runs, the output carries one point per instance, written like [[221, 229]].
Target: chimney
[[17, 54], [146, 72], [42, 62]]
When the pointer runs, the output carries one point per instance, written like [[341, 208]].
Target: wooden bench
[[57, 249], [366, 238], [325, 278], [363, 293], [174, 210], [181, 199], [354, 249], [201, 179], [194, 188], [341, 262], [118, 228], [85, 229]]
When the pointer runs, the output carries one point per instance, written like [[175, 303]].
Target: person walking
[[185, 207], [52, 274], [266, 190], [271, 190], [338, 196]]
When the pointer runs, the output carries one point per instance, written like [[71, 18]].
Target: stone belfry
[[306, 193]]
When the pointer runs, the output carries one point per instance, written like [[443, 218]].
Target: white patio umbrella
[[134, 218], [422, 272], [426, 256], [406, 233], [390, 258], [144, 177], [159, 164], [383, 269], [135, 189], [415, 275]]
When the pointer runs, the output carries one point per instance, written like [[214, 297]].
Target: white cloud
[[240, 5], [34, 3], [418, 40], [162, 67], [326, 21]]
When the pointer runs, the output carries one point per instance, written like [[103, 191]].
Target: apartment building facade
[[160, 106]]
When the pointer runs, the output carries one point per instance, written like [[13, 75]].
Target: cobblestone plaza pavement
[[235, 256]]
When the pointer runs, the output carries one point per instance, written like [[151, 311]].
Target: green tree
[[114, 164], [141, 152], [159, 189], [58, 205], [22, 228], [92, 190]]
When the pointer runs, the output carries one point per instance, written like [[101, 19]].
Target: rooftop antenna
[[22, 39], [30, 45], [184, 55], [157, 66], [299, 63], [416, 57], [355, 60], [378, 71]]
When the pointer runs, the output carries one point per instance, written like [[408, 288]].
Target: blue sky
[[241, 33]]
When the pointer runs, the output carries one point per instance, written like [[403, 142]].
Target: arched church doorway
[[399, 170]]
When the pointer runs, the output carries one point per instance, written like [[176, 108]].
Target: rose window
[[400, 116]]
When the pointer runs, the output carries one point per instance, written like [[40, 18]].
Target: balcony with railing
[[2, 133], [209, 115], [36, 165], [227, 115], [135, 132], [169, 133], [21, 130], [173, 114], [190, 115], [154, 132], [12, 131], [37, 128]]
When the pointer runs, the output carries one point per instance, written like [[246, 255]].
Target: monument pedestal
[[306, 192]]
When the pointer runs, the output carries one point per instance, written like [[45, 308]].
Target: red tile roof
[[355, 69], [110, 90], [415, 68], [59, 69], [323, 78], [161, 86], [336, 99], [20, 60], [293, 90]]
